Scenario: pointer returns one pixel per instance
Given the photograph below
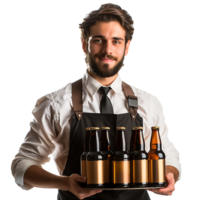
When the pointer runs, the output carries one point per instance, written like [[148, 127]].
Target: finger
[[170, 184], [97, 191], [154, 191], [169, 188], [162, 191], [79, 178], [166, 194], [170, 178]]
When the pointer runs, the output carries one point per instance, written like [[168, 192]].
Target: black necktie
[[105, 104]]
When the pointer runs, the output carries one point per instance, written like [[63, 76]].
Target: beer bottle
[[96, 162], [105, 148], [156, 160], [84, 154], [138, 159], [121, 161]]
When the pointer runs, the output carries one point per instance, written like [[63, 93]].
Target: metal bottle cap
[[155, 127], [94, 128], [121, 128], [137, 128], [105, 128]]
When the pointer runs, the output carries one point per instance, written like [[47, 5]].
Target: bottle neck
[[121, 141], [138, 143], [105, 141], [155, 140], [140, 147], [87, 141], [94, 141]]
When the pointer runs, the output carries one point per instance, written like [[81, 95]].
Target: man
[[62, 116]]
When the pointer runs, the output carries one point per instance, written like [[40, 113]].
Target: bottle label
[[157, 171], [96, 172], [139, 171], [121, 172]]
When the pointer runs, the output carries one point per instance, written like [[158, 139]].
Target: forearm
[[38, 177], [173, 170]]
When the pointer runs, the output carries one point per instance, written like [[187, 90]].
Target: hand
[[170, 186], [74, 187]]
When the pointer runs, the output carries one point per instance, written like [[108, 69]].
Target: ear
[[84, 45], [127, 47]]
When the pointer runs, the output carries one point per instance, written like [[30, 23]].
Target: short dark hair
[[108, 12]]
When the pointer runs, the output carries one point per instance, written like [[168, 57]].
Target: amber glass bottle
[[84, 154], [121, 161], [138, 159], [96, 162], [105, 148], [156, 160]]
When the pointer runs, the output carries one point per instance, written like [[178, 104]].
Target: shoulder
[[146, 97], [62, 95], [53, 102], [140, 93]]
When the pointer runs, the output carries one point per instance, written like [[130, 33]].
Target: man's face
[[106, 48]]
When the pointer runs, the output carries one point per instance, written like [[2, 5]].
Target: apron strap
[[78, 104], [77, 98], [131, 98]]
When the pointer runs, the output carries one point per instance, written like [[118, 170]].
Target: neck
[[104, 81]]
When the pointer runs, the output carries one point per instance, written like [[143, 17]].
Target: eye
[[98, 40], [116, 41]]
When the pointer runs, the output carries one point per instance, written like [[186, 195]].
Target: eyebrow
[[101, 36]]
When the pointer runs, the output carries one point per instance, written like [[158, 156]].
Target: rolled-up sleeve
[[171, 153], [38, 143]]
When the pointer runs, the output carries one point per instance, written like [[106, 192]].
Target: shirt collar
[[93, 86]]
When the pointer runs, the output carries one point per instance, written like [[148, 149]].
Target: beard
[[104, 70]]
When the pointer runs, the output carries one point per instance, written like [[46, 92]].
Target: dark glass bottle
[[121, 161], [156, 160], [84, 154], [138, 159], [105, 148], [96, 162]]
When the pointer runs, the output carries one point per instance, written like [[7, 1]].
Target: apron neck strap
[[77, 98], [131, 98], [78, 104]]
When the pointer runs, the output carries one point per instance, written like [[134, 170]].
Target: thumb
[[170, 175], [83, 179], [170, 178]]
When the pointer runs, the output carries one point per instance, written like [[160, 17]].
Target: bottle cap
[[137, 128], [121, 128], [105, 128], [94, 128], [155, 127], [87, 129]]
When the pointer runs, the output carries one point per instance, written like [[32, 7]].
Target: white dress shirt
[[50, 131]]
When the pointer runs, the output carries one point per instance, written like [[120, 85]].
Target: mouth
[[106, 60]]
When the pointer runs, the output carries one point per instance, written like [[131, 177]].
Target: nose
[[107, 48]]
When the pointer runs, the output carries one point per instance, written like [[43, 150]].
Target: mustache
[[105, 56]]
